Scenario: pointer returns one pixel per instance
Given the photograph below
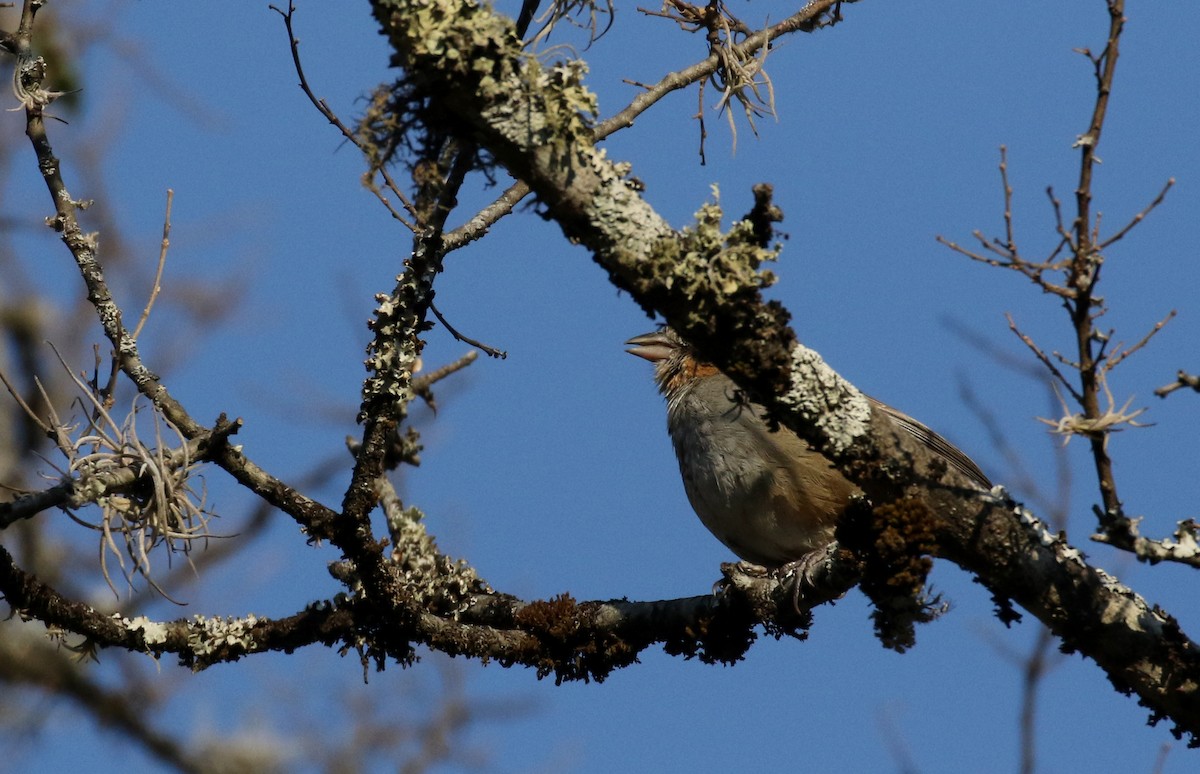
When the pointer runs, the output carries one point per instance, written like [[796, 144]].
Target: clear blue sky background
[[551, 471]]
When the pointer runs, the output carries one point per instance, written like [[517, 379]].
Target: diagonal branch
[[314, 517]]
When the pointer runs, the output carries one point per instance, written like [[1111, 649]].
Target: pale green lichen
[[208, 635], [629, 227], [437, 583], [708, 265], [393, 352], [469, 61], [820, 395], [546, 109], [465, 68], [153, 632]]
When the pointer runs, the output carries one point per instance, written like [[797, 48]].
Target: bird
[[759, 488]]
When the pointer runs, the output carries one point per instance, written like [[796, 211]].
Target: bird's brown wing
[[936, 443]]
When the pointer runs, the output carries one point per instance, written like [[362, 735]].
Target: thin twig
[[425, 381], [1010, 244], [1140, 216], [29, 412], [1084, 272], [162, 262], [483, 220], [323, 107], [422, 386], [489, 351], [1114, 359], [1041, 355]]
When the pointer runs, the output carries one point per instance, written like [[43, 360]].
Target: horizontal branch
[[198, 641], [1184, 549], [77, 492]]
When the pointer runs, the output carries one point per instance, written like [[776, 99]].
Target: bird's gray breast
[[767, 495]]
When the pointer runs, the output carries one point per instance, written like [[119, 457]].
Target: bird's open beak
[[654, 346]]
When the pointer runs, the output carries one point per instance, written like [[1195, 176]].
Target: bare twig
[[1117, 355], [1010, 242], [323, 107], [1087, 261], [29, 412], [487, 350], [483, 220], [422, 385], [1182, 379], [1092, 360], [162, 262], [1119, 235], [1004, 253], [1042, 356]]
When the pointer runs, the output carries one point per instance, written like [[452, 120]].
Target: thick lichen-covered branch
[[464, 65]]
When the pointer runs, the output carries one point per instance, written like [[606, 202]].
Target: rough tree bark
[[530, 118], [468, 78]]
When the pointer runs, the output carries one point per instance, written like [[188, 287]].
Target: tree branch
[[529, 118]]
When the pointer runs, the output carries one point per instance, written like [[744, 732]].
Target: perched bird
[[767, 495]]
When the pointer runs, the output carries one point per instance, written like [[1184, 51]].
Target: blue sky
[[551, 471]]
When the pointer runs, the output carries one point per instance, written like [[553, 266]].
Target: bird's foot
[[745, 568], [804, 572]]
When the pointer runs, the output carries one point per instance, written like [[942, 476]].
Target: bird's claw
[[804, 571], [744, 568]]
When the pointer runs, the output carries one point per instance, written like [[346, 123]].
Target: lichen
[[459, 51], [821, 396], [703, 269], [392, 353], [153, 632], [206, 635], [435, 582]]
